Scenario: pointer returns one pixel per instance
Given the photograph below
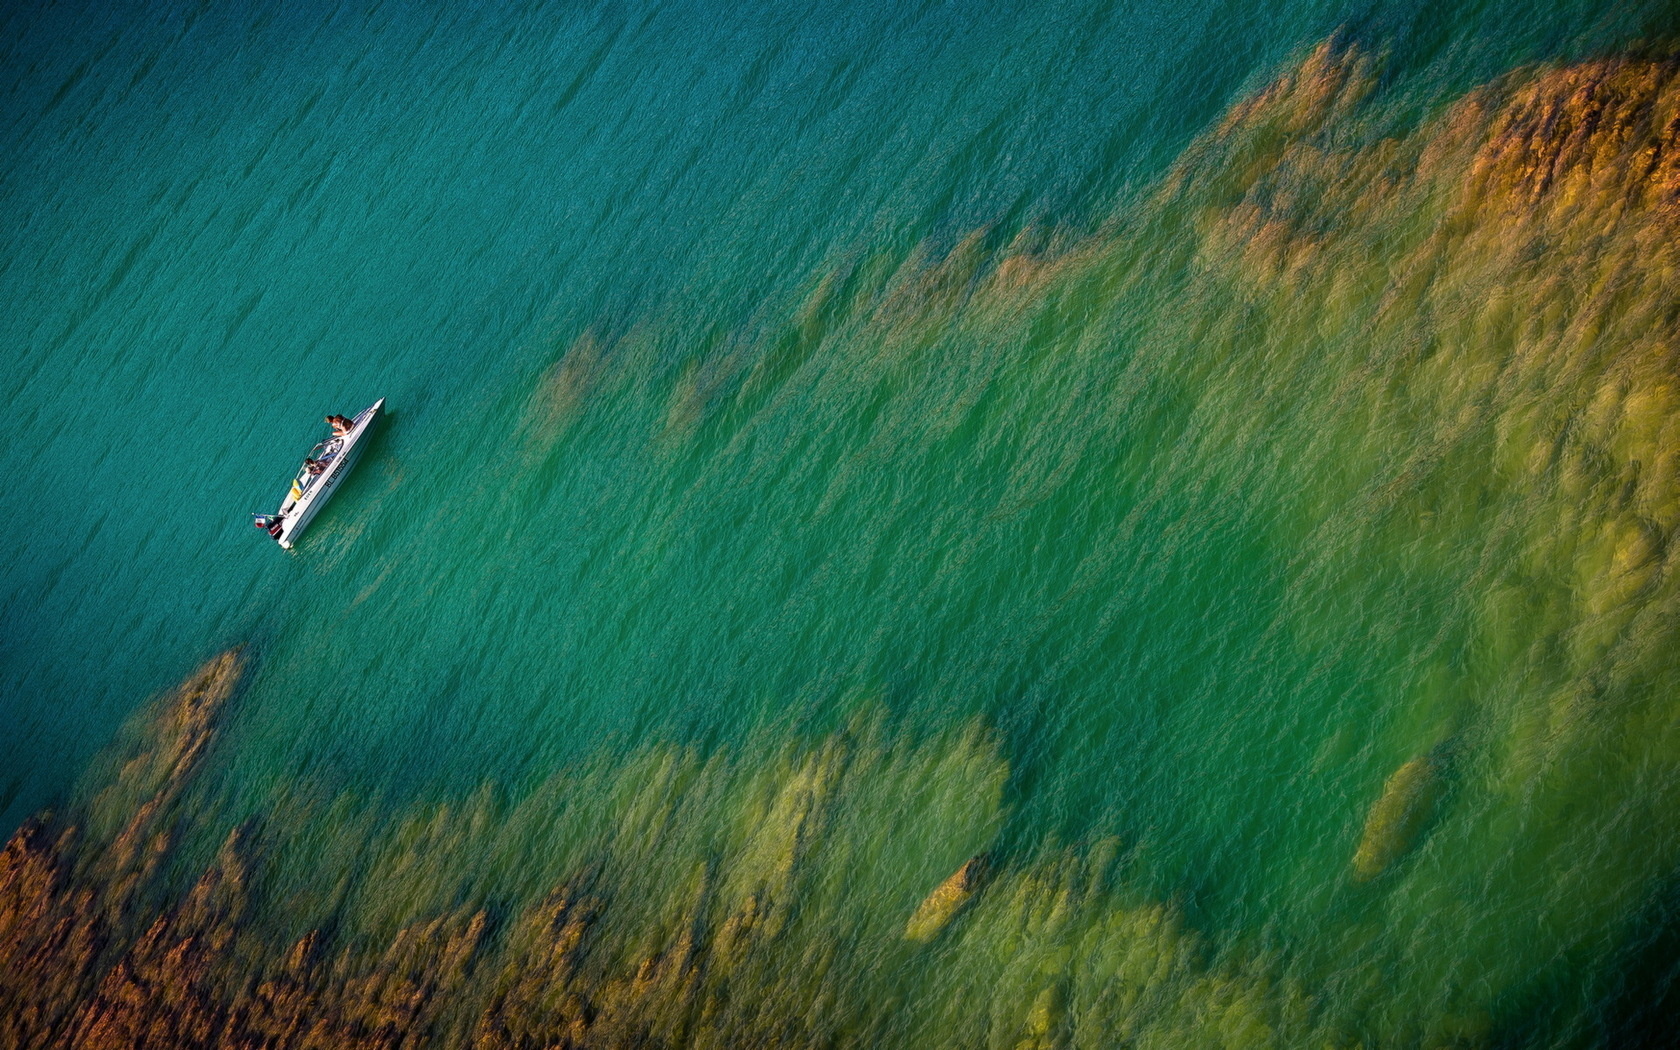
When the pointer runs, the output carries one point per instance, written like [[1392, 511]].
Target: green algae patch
[[1397, 817]]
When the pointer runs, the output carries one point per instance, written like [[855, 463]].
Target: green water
[[829, 442]]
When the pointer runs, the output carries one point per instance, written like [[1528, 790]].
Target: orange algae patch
[[1610, 125], [569, 381], [941, 906], [1333, 78], [66, 893], [175, 733]]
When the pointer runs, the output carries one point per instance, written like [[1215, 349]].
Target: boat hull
[[307, 505]]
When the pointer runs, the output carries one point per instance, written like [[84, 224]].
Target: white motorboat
[[310, 491]]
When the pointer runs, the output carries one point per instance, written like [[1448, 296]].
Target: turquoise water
[[762, 374]]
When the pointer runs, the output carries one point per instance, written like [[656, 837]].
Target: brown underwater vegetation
[[99, 954], [1496, 281]]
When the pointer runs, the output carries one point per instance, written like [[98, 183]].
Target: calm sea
[[763, 375]]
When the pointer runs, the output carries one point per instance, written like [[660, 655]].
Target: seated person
[[314, 466], [340, 425]]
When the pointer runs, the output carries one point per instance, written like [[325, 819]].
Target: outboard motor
[[269, 522]]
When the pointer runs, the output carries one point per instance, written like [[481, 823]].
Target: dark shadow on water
[[1641, 1007]]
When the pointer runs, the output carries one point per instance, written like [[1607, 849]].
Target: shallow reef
[[742, 948]]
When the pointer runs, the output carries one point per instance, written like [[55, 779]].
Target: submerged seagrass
[[100, 951]]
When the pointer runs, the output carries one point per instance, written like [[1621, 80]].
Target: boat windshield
[[323, 453]]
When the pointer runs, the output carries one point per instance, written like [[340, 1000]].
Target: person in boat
[[315, 466], [340, 425]]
